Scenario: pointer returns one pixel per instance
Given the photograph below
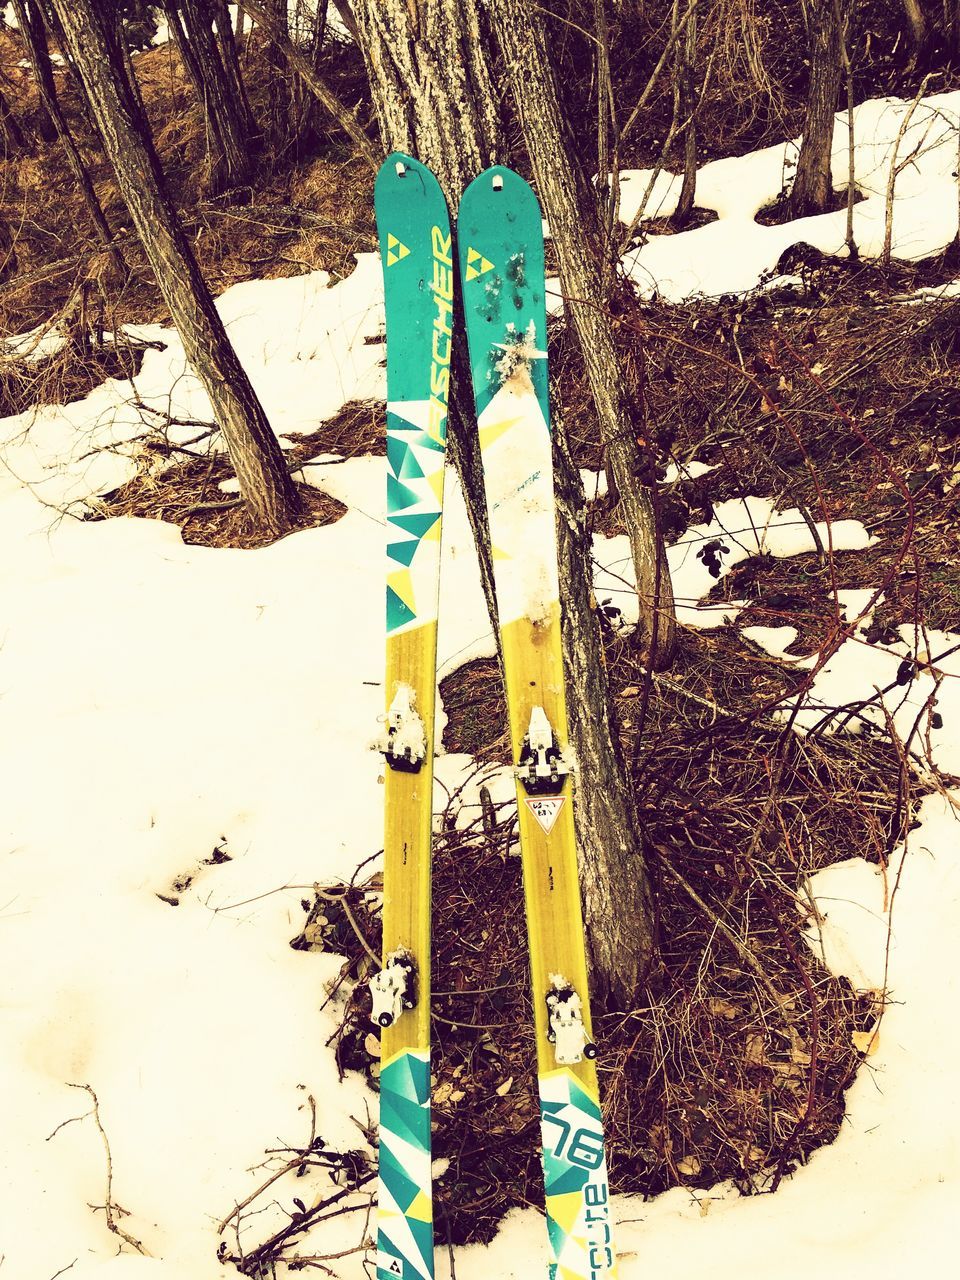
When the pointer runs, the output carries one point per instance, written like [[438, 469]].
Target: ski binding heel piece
[[567, 1032], [405, 741], [542, 767], [394, 988]]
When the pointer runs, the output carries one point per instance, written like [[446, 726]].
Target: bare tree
[[225, 111], [10, 126], [264, 17], [261, 470], [685, 89], [812, 187], [442, 104], [34, 33]]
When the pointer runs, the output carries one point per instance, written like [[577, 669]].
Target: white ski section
[[518, 478]]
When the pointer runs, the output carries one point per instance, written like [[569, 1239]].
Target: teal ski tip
[[500, 246]]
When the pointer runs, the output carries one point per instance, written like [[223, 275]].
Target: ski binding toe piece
[[542, 767], [394, 989], [405, 742], [567, 1032]]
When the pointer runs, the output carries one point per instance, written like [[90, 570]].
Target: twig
[[341, 900], [110, 1208], [745, 954]]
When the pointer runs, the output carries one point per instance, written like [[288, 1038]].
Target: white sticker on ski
[[546, 809]]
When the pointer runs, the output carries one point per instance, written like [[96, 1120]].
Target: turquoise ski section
[[405, 1216], [500, 213], [418, 273]]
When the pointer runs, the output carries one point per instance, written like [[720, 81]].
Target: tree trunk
[[345, 11], [436, 100], [34, 36], [618, 896], [686, 89], [278, 89], [223, 111], [813, 188], [231, 63], [314, 82], [34, 33], [13, 137], [572, 210], [917, 21], [261, 470]]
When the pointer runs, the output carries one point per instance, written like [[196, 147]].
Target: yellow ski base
[[407, 839]]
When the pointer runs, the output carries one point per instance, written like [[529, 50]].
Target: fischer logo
[[442, 289]]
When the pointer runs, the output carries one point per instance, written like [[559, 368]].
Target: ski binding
[[542, 767], [394, 988], [405, 741], [567, 1032]]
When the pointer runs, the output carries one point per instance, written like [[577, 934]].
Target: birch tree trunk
[[431, 73], [254, 449]]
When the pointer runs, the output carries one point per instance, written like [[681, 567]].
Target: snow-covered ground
[[162, 705]]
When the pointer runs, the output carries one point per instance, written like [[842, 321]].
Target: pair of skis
[[501, 277]]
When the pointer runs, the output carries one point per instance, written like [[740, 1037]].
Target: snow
[[705, 554], [34, 346], [159, 702], [732, 254]]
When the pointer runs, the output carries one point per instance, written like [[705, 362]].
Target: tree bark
[[434, 90], [812, 187], [618, 895], [313, 80], [34, 33], [277, 87], [9, 125], [231, 63], [686, 90], [917, 21], [192, 24], [261, 470]]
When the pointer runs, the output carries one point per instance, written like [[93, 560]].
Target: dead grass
[[188, 494], [733, 1061]]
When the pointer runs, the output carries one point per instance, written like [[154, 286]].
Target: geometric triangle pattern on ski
[[417, 524], [400, 496], [402, 552], [490, 431]]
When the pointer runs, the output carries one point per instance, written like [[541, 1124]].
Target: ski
[[500, 247], [418, 271]]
